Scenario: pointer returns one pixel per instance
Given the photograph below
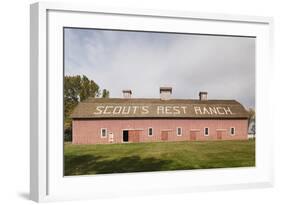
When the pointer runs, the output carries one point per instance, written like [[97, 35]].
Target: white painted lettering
[[144, 110], [228, 110], [176, 110], [160, 110], [205, 111], [197, 110], [184, 109], [117, 110], [213, 110], [135, 109], [106, 112], [219, 111], [126, 112], [168, 110], [99, 110]]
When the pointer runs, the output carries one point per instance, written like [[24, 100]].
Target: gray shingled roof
[[157, 108]]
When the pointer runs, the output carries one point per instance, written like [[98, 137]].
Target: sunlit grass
[[157, 156]]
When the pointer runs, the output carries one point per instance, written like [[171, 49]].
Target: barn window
[[103, 132], [150, 131], [179, 131], [232, 131], [206, 131]]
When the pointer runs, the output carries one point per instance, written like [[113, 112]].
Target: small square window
[[179, 131], [103, 132], [150, 131], [232, 131], [206, 131]]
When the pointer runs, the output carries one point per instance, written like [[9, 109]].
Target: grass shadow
[[90, 164]]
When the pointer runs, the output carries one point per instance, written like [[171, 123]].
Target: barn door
[[192, 135], [134, 135], [164, 135]]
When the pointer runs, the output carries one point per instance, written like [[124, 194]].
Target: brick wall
[[89, 131]]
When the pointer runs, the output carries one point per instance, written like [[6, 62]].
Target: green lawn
[[157, 156]]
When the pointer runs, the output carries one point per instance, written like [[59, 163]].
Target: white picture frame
[[47, 182]]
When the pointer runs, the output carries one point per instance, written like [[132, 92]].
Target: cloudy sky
[[223, 66]]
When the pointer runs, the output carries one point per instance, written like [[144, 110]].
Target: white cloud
[[116, 60]]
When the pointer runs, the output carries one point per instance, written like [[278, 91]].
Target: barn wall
[[88, 131]]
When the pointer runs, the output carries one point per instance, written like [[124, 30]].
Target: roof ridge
[[174, 99], [136, 107]]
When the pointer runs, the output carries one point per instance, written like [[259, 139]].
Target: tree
[[105, 93], [252, 121], [253, 129], [252, 115], [76, 89]]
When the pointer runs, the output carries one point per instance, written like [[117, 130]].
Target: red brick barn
[[123, 120]]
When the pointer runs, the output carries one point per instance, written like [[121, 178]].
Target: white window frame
[[151, 132], [230, 133], [106, 133], [206, 135], [180, 131]]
